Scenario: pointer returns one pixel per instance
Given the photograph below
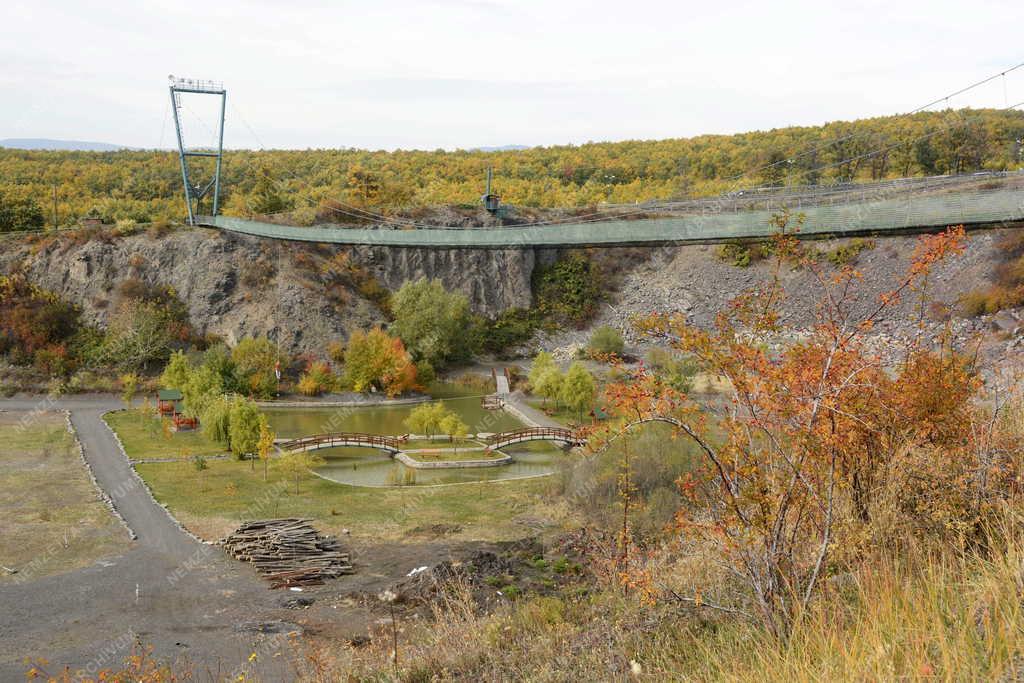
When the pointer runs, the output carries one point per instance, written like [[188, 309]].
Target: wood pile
[[288, 552]]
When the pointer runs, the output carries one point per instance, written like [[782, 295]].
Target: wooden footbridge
[[566, 437], [395, 444], [391, 444]]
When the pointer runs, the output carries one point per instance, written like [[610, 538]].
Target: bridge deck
[[974, 207]]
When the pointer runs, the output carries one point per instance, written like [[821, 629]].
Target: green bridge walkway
[[975, 207]]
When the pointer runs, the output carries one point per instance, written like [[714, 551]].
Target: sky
[[427, 74]]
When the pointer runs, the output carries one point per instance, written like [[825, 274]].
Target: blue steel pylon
[[195, 191]]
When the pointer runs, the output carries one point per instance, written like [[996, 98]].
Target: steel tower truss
[[195, 190]]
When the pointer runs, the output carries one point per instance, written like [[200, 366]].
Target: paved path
[[517, 405], [180, 596]]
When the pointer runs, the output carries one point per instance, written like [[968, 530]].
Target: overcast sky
[[464, 73]]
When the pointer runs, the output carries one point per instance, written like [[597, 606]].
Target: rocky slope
[[693, 280], [236, 286]]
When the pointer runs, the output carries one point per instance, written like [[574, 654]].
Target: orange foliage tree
[[793, 463], [376, 360]]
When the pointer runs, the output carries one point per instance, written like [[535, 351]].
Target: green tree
[[426, 418], [543, 362], [246, 421], [255, 359], [675, 370], [176, 372], [265, 445], [431, 321], [216, 421], [549, 385], [266, 196], [578, 389], [294, 464], [200, 465], [17, 215], [218, 358], [202, 386], [455, 428]]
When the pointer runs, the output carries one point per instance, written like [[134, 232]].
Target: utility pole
[[55, 206]]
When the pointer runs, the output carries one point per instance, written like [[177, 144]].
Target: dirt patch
[[434, 530]]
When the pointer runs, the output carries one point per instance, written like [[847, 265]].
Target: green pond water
[[370, 467]]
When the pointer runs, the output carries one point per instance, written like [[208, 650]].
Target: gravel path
[[182, 597]]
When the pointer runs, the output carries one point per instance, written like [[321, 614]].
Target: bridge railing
[[343, 439], [531, 433]]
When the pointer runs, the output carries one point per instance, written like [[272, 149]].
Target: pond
[[370, 467], [366, 467], [387, 420]]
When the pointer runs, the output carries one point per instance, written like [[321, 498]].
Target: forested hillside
[[144, 186]]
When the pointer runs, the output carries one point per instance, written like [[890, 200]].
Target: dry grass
[[51, 517], [912, 615]]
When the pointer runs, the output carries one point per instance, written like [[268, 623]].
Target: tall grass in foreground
[[911, 615]]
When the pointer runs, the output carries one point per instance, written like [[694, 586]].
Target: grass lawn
[[148, 438], [214, 502], [52, 519], [440, 443], [561, 414], [436, 455]]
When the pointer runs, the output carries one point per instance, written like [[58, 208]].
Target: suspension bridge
[[990, 201], [983, 200]]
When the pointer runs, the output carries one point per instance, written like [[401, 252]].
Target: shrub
[[1007, 290], [735, 254], [846, 254], [569, 290], [336, 351], [318, 379], [606, 340], [678, 371], [32, 319], [510, 328]]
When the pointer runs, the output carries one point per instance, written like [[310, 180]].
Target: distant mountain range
[[72, 145]]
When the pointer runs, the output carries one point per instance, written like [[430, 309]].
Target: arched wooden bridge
[[391, 444], [394, 444], [557, 434]]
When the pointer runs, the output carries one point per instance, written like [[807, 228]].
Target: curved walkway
[[181, 596]]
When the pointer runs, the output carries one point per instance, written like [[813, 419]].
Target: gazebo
[[168, 401]]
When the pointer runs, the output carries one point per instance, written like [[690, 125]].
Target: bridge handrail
[[348, 437], [560, 433]]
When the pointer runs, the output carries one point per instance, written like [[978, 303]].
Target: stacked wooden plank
[[288, 552]]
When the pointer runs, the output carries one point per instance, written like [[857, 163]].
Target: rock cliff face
[[236, 286], [493, 279]]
